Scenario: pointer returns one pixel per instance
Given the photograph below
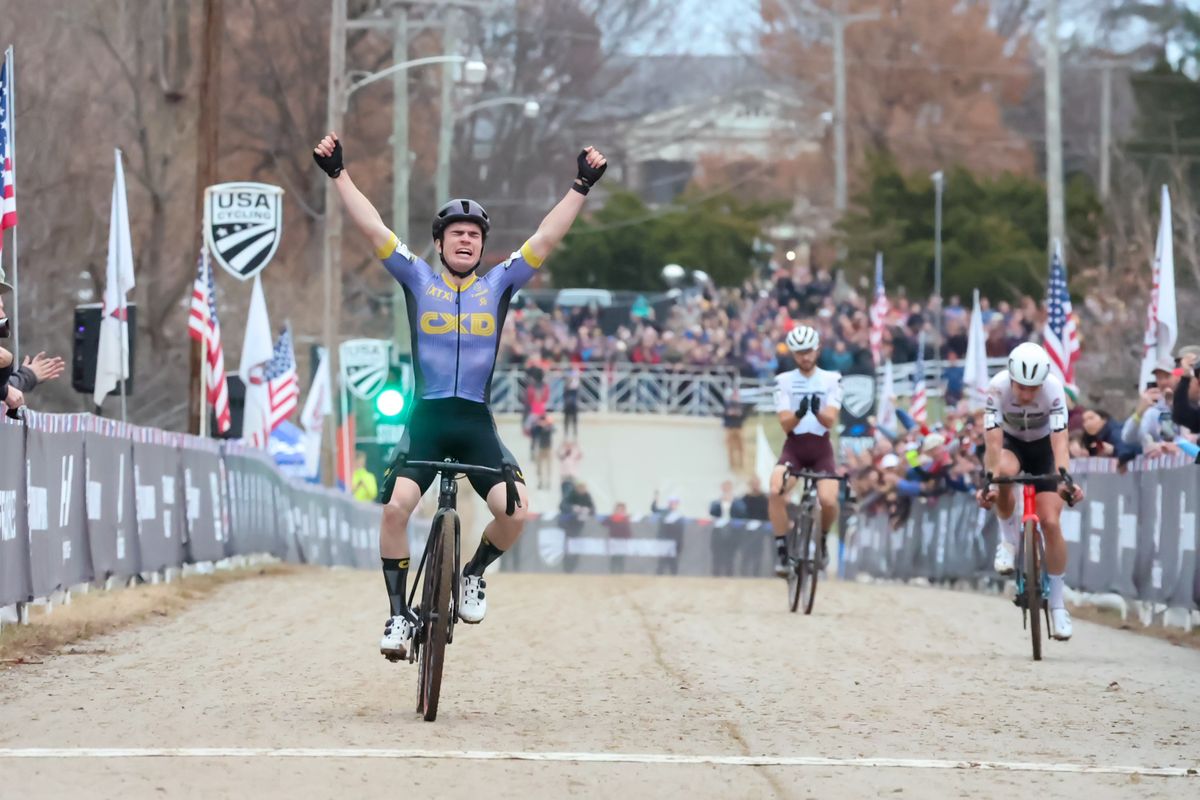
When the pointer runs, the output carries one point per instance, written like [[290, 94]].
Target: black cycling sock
[[781, 546], [483, 558], [395, 575]]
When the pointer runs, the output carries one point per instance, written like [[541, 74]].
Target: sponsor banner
[[14, 522], [157, 500], [205, 516], [59, 555], [109, 499]]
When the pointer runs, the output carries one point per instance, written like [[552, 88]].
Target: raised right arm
[[328, 155]]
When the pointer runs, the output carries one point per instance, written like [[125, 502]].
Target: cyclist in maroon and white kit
[[807, 400]]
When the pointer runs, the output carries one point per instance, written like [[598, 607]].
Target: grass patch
[[1112, 618], [100, 612]]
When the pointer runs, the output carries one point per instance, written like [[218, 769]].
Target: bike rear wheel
[[1033, 588], [436, 616]]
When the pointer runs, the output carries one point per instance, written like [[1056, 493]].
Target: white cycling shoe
[[397, 638], [1006, 557], [472, 605], [1060, 624]]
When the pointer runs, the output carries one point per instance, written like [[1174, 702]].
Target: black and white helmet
[[460, 210], [803, 337], [1028, 364]]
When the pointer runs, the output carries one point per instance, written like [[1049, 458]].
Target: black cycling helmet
[[460, 210]]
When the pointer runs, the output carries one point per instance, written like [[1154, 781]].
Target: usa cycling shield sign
[[243, 223], [365, 366]]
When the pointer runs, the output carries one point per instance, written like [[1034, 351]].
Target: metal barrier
[[684, 389]]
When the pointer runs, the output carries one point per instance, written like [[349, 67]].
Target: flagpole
[[12, 157], [122, 303]]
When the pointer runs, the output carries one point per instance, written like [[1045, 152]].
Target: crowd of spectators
[[743, 327]]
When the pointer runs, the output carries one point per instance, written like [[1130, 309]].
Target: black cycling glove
[[815, 405], [802, 410], [332, 164], [587, 175]]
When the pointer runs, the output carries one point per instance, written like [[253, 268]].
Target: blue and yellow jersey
[[456, 330]]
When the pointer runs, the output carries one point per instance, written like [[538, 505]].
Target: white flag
[[885, 414], [1162, 322], [975, 373], [764, 456], [317, 406], [112, 359], [257, 350]]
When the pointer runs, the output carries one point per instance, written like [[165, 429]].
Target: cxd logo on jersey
[[365, 366], [242, 225]]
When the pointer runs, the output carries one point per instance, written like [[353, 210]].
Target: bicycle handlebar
[[1062, 476], [812, 476], [512, 500]]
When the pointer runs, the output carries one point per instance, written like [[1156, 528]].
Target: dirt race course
[[604, 666]]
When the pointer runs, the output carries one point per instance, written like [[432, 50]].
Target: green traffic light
[[390, 402]]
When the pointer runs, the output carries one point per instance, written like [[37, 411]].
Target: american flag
[[1060, 337], [879, 312], [283, 386], [8, 200], [203, 326], [917, 406]]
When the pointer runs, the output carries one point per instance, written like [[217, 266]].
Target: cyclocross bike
[[806, 550], [1033, 585], [440, 564]]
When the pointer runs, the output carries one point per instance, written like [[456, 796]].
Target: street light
[[474, 71], [530, 108]]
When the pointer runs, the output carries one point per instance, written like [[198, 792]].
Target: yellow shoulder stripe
[[389, 248], [533, 258]]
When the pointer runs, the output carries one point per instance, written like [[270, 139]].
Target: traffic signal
[[389, 403]]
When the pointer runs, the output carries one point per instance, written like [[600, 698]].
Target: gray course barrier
[[84, 499]]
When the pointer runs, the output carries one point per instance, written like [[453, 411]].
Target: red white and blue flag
[[1060, 337], [8, 199], [879, 312], [918, 406], [283, 386], [203, 326]]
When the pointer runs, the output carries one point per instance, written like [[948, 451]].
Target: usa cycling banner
[[243, 223], [365, 365]]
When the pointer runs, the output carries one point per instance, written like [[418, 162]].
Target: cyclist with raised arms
[[456, 316], [1025, 430], [807, 400]]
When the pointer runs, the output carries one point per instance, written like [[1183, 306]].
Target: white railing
[[684, 389]]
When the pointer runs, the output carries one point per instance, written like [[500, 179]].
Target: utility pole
[[206, 172], [446, 132], [1105, 130], [1054, 163], [840, 20], [332, 254], [938, 182], [400, 174]]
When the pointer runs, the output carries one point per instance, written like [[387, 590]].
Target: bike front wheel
[[1033, 588], [437, 610]]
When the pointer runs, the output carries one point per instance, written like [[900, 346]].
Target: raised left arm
[[554, 227]]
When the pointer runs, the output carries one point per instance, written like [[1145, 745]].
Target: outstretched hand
[[45, 367], [328, 155], [591, 165]]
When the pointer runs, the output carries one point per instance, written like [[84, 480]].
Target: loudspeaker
[[87, 347], [237, 406]]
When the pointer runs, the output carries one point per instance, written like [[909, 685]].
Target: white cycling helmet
[[1028, 364], [803, 337]]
